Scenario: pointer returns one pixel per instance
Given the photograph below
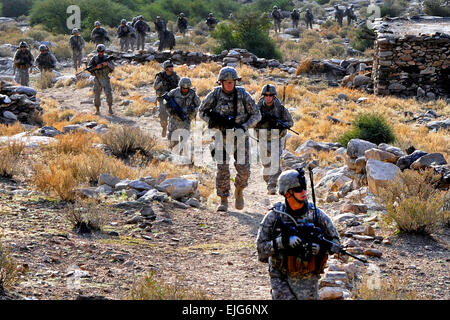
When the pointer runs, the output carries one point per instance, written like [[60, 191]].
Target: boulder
[[379, 174], [437, 125], [371, 252], [357, 165], [429, 160], [108, 179], [104, 188], [361, 80], [406, 161], [122, 185], [178, 187], [139, 185], [334, 180], [154, 195], [333, 293], [311, 145], [388, 148], [355, 208], [343, 217], [9, 115], [380, 155], [28, 141], [356, 147], [47, 131]]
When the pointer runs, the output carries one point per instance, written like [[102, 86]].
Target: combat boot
[[97, 110], [110, 110], [164, 131], [239, 198], [223, 204]]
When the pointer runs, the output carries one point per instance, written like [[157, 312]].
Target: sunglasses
[[298, 189], [269, 95]]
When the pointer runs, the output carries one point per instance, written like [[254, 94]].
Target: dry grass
[[87, 215], [10, 130], [82, 83], [9, 159], [149, 288], [9, 273], [45, 80], [394, 288], [72, 143]]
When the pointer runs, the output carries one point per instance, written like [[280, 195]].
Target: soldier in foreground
[[338, 14], [309, 18], [211, 22], [274, 116], [141, 28], [123, 32], [23, 61], [77, 44], [276, 16], [182, 109], [99, 35], [182, 23], [165, 81], [295, 264], [295, 16], [230, 107], [101, 66]]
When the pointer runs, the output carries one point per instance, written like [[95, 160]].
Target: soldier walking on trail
[[160, 27], [99, 35], [45, 61], [123, 32], [182, 23], [295, 264], [131, 36], [77, 44], [165, 81], [141, 28], [309, 18], [188, 102], [101, 66], [211, 21], [272, 110], [23, 60], [350, 15], [338, 14], [277, 17], [237, 106], [295, 16]]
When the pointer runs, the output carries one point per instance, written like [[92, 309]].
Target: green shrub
[[38, 33], [16, 8], [370, 127], [437, 8], [322, 2], [361, 38], [393, 8]]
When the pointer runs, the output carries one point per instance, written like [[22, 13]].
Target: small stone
[[136, 219], [373, 252]]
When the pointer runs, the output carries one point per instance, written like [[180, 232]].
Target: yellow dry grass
[[10, 130]]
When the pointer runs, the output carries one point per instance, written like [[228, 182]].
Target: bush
[[370, 127], [8, 269], [322, 2], [148, 288], [361, 38], [16, 8], [437, 8], [384, 289], [393, 8], [10, 156], [124, 141], [87, 216], [413, 202]]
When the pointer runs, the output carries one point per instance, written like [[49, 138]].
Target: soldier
[[295, 16], [211, 21], [276, 15], [160, 27], [141, 28], [23, 60], [135, 19], [188, 101], [77, 44], [132, 35], [123, 34], [165, 81], [294, 265], [338, 14], [45, 61], [182, 23], [99, 35], [350, 15], [272, 110], [309, 18], [227, 101], [100, 67]]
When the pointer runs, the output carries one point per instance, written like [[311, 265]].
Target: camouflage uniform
[[295, 16], [99, 35], [46, 61], [309, 19], [23, 61], [101, 81], [350, 15], [163, 84], [276, 15], [77, 44], [278, 111], [211, 22], [123, 32], [189, 103], [141, 28], [290, 285], [338, 15], [247, 113], [131, 36], [182, 24], [160, 27]]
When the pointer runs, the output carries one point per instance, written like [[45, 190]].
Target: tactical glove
[[284, 242], [335, 248], [315, 248]]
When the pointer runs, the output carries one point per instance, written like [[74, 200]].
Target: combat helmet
[[228, 73], [210, 14], [96, 23], [23, 44], [185, 82], [74, 30], [167, 64], [43, 47], [101, 48], [290, 179], [275, 8], [269, 88], [181, 14], [123, 21]]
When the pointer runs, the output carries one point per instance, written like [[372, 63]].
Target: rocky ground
[[195, 247]]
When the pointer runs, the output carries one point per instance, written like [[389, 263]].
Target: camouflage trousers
[[77, 56], [132, 42], [163, 113], [174, 125], [295, 288], [309, 24], [105, 85], [295, 24], [223, 167], [140, 41], [124, 44], [277, 25], [22, 76], [271, 161]]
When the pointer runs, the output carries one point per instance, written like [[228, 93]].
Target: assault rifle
[[224, 121], [175, 107], [277, 123], [92, 68]]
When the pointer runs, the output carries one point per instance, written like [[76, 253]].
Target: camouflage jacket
[[278, 111], [338, 14], [349, 13], [295, 16], [276, 15], [76, 43], [164, 83], [309, 16], [23, 59], [182, 22], [123, 31], [160, 26], [102, 73], [142, 26], [99, 35], [211, 21], [46, 61], [218, 101], [267, 233]]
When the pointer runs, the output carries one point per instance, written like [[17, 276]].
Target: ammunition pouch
[[296, 266]]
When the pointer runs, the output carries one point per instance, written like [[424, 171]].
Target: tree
[[16, 8]]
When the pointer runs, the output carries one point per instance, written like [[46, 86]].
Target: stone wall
[[410, 61]]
